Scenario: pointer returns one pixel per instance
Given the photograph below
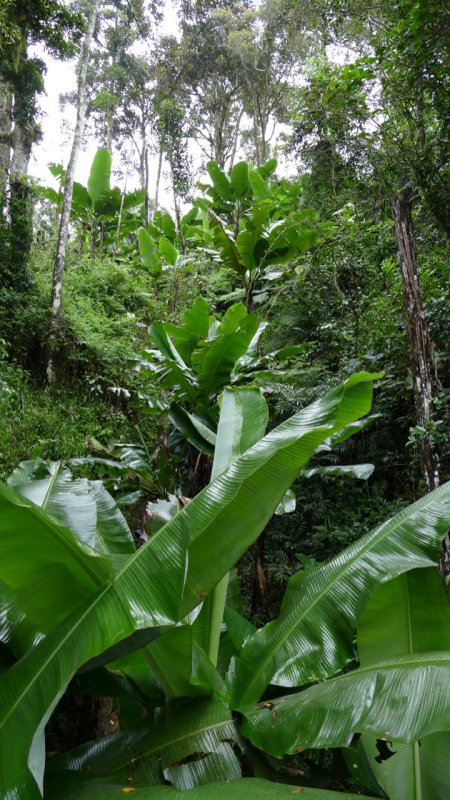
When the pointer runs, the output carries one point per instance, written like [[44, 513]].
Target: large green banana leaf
[[410, 614], [100, 175], [83, 506], [402, 699], [77, 787], [43, 564], [167, 577], [313, 636]]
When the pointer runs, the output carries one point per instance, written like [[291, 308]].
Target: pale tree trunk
[[146, 199], [63, 232], [236, 133], [5, 135], [21, 152], [158, 177]]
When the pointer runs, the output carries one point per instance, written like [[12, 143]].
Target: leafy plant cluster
[[148, 625]]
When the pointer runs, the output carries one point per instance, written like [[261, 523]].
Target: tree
[[63, 230]]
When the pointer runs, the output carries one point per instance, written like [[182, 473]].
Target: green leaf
[[224, 242], [268, 168], [196, 318], [192, 429], [359, 471], [100, 175], [260, 188], [220, 356], [252, 247], [402, 698], [321, 607], [181, 730], [232, 319], [148, 252], [221, 181], [49, 571], [243, 421], [167, 251], [16, 630], [410, 614], [73, 786], [166, 224], [167, 577], [85, 507], [239, 179]]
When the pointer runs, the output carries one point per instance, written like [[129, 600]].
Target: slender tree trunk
[[235, 139], [177, 213], [158, 177], [420, 350], [146, 199], [63, 232]]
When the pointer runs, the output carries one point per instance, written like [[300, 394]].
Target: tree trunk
[[158, 177], [420, 350], [21, 145], [146, 199], [5, 135], [236, 133], [63, 232]]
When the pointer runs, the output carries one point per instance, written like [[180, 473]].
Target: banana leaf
[[78, 787], [167, 577], [403, 699], [43, 564], [410, 614], [100, 175], [221, 181], [83, 506], [313, 636]]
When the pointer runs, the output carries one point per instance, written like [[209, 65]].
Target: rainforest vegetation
[[224, 401]]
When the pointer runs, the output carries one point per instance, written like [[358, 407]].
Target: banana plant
[[239, 224], [105, 213], [162, 623], [195, 360]]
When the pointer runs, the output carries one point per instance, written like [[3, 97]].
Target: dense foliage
[[221, 567]]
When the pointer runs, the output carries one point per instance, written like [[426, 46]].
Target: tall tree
[[63, 231]]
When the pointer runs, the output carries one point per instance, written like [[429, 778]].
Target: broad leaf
[[100, 175], [85, 507], [403, 698], [148, 252], [260, 188], [167, 251], [359, 471], [49, 571], [239, 179], [77, 787], [410, 614], [221, 181], [169, 575], [219, 356], [313, 636]]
